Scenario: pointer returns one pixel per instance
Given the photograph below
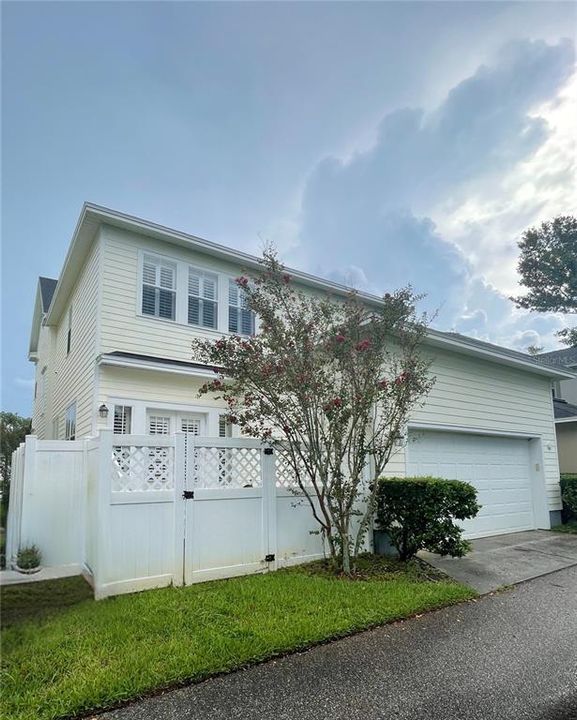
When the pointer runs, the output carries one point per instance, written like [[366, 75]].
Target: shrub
[[29, 557], [569, 495], [418, 514]]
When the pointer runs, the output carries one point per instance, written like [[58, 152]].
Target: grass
[[569, 527], [93, 655], [41, 599]]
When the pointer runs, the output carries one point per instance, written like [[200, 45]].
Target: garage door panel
[[498, 467]]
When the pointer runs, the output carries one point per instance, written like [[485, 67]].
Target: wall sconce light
[[399, 440], [103, 411]]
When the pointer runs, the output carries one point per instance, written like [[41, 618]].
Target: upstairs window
[[158, 288], [122, 419], [70, 427], [69, 331], [202, 294], [240, 318]]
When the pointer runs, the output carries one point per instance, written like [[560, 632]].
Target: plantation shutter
[[202, 298], [240, 318], [158, 425], [190, 425], [224, 427], [122, 420], [158, 288]]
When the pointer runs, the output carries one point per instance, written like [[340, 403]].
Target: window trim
[[181, 304], [159, 260], [203, 273]]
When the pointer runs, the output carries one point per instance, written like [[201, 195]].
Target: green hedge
[[418, 513], [569, 495]]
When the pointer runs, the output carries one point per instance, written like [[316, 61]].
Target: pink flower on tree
[[340, 338], [363, 345], [242, 281]]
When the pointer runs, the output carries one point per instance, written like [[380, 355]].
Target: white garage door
[[497, 466]]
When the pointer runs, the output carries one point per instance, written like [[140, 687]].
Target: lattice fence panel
[[138, 468], [234, 467], [285, 473]]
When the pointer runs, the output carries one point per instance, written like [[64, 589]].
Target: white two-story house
[[111, 342]]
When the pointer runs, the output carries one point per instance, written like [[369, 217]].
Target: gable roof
[[564, 410], [93, 217], [562, 358], [47, 288]]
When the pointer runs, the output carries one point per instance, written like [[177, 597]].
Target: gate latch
[[269, 558], [268, 451], [188, 495]]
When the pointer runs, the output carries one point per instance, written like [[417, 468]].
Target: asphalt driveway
[[504, 560], [507, 656]]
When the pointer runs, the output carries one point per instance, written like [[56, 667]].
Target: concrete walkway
[[12, 577], [508, 656], [509, 559]]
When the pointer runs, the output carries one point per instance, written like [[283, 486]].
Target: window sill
[[211, 332]]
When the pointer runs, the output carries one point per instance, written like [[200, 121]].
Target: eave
[[93, 217]]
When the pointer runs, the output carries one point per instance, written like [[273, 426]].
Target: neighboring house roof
[[563, 358], [47, 288], [564, 410], [94, 216]]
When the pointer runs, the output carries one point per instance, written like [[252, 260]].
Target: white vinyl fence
[[138, 512]]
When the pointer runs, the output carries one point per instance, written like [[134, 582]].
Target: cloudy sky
[[375, 143]]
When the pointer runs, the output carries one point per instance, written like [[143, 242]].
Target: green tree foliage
[[419, 513], [548, 269], [330, 382], [13, 430]]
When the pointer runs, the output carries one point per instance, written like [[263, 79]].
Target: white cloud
[[441, 197], [27, 383]]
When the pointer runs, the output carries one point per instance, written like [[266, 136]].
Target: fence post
[[102, 511], [179, 508], [268, 469]]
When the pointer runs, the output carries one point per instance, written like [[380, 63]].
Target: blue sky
[[376, 143]]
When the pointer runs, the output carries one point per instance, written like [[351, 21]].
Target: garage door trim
[[472, 430]]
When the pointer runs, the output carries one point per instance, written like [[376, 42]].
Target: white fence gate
[[153, 510]]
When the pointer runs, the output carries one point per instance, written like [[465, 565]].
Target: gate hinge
[[269, 558], [188, 495], [268, 451]]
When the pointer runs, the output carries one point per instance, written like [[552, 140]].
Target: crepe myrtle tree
[[330, 382]]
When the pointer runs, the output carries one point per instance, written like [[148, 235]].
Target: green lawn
[[92, 655], [569, 527], [40, 599]]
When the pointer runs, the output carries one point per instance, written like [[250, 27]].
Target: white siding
[[144, 389], [42, 407], [123, 327], [73, 373], [474, 393]]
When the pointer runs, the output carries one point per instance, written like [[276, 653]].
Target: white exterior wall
[[73, 374], [142, 389], [123, 327], [470, 393], [44, 378]]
